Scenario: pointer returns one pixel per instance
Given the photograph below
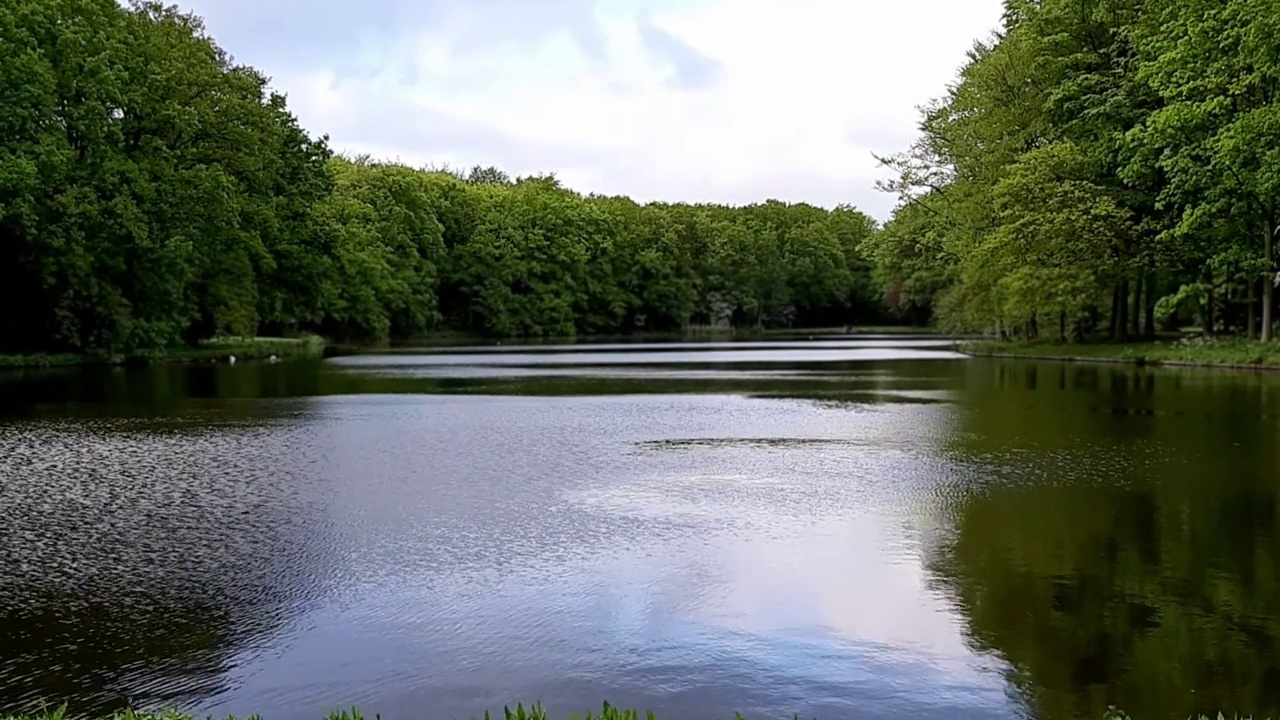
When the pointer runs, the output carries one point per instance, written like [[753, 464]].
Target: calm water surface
[[863, 528]]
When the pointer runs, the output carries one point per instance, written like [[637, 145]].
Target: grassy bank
[[520, 712], [222, 349], [1197, 352]]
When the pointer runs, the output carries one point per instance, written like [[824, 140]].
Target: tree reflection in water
[[1123, 549]]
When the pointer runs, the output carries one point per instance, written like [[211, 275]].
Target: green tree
[[1216, 65], [387, 242], [154, 192]]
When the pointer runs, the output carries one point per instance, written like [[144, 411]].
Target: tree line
[[154, 192], [1098, 166]]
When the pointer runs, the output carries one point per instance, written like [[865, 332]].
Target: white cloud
[[723, 100]]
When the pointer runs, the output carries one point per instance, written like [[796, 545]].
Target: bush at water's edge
[[520, 712], [219, 349], [1207, 352]]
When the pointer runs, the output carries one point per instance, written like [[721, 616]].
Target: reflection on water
[[872, 527], [1128, 554], [136, 560]]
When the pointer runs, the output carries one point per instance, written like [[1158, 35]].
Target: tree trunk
[[1115, 311], [1062, 327], [1122, 305], [1149, 309], [1268, 280], [1135, 318], [1208, 310], [1251, 317]]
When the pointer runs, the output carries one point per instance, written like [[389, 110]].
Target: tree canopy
[[1098, 160], [1098, 166], [154, 192]]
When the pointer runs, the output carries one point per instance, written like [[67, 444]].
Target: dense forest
[[153, 193], [1108, 166], [1098, 167]]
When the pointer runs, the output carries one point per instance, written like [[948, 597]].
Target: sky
[[730, 101]]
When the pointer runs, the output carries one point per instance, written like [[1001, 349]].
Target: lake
[[860, 527]]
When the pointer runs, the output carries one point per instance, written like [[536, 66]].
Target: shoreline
[[314, 346], [222, 350], [1225, 354], [446, 338]]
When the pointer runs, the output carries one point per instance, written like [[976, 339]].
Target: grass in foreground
[[259, 348], [532, 712], [520, 712], [1225, 352]]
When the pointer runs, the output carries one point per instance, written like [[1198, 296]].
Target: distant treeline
[[1108, 165], [153, 193]]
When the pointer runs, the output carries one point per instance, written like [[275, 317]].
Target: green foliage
[[1093, 157], [386, 243], [153, 194], [146, 181]]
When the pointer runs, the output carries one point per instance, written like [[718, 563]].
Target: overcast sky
[[729, 101]]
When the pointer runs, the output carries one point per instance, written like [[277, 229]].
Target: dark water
[[865, 528]]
